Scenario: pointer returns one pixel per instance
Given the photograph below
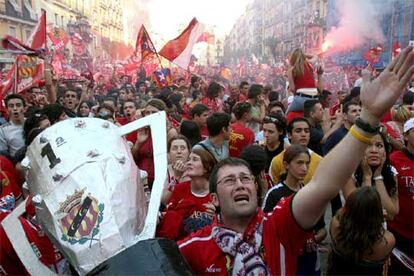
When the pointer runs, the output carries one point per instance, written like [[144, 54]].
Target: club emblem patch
[[79, 218]]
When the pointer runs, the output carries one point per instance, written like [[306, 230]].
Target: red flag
[[373, 55], [58, 37], [206, 37], [28, 70], [179, 49], [396, 49], [144, 47]]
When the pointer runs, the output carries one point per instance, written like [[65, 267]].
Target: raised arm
[[337, 167]]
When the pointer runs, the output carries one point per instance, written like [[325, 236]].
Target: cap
[[408, 125]]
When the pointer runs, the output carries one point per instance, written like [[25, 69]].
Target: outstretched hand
[[379, 95]]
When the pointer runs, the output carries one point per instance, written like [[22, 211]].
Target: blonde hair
[[400, 114], [297, 61]]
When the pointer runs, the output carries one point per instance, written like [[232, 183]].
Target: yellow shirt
[[277, 169]]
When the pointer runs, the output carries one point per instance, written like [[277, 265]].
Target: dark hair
[[191, 131], [180, 79], [309, 106], [231, 161], [175, 98], [78, 94], [280, 123], [178, 137], [195, 93], [32, 122], [53, 112], [128, 101], [254, 91], [110, 98], [408, 98], [256, 156], [360, 223], [243, 83], [293, 151], [240, 108], [346, 106], [291, 124], [88, 103], [273, 96], [198, 109], [207, 159], [386, 172], [213, 90], [194, 79], [14, 96], [355, 92], [216, 122], [275, 103]]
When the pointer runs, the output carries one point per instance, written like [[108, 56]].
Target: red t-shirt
[[293, 114], [240, 138], [307, 79], [145, 159], [10, 192], [214, 105], [282, 241], [204, 133], [132, 136], [403, 222], [44, 249], [185, 213]]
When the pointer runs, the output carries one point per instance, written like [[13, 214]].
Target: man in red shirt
[[240, 136], [199, 114], [242, 239], [403, 161]]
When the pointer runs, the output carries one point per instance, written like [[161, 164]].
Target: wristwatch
[[366, 126]]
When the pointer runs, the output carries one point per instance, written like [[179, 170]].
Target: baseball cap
[[408, 125]]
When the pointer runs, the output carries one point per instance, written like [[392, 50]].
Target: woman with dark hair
[[191, 131], [375, 170], [55, 113], [85, 108], [36, 120], [360, 244], [296, 162], [178, 149], [190, 207], [211, 100]]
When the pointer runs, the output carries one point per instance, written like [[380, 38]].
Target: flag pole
[[16, 75]]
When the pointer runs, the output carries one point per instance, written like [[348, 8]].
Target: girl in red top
[[301, 80], [190, 207], [211, 100]]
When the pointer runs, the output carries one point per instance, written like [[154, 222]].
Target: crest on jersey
[[80, 216]]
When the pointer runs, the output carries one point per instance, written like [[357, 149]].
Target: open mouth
[[241, 198]]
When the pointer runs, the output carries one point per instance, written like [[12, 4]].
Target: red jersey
[[185, 214], [403, 222], [204, 133], [307, 79], [240, 138], [214, 105], [282, 241], [132, 136], [145, 159], [293, 114], [40, 243]]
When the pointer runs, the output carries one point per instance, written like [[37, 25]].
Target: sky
[[165, 19]]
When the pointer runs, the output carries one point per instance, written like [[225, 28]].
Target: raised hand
[[379, 95]]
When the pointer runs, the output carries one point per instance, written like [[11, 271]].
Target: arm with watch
[[336, 168]]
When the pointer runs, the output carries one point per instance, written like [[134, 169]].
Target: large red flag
[[27, 71], [144, 48], [179, 50]]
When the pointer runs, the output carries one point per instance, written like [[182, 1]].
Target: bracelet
[[360, 137], [366, 126], [379, 177]]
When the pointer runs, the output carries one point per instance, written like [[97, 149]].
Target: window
[[62, 21], [56, 19], [28, 33], [12, 31]]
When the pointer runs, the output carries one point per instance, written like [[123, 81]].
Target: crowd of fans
[[270, 143]]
